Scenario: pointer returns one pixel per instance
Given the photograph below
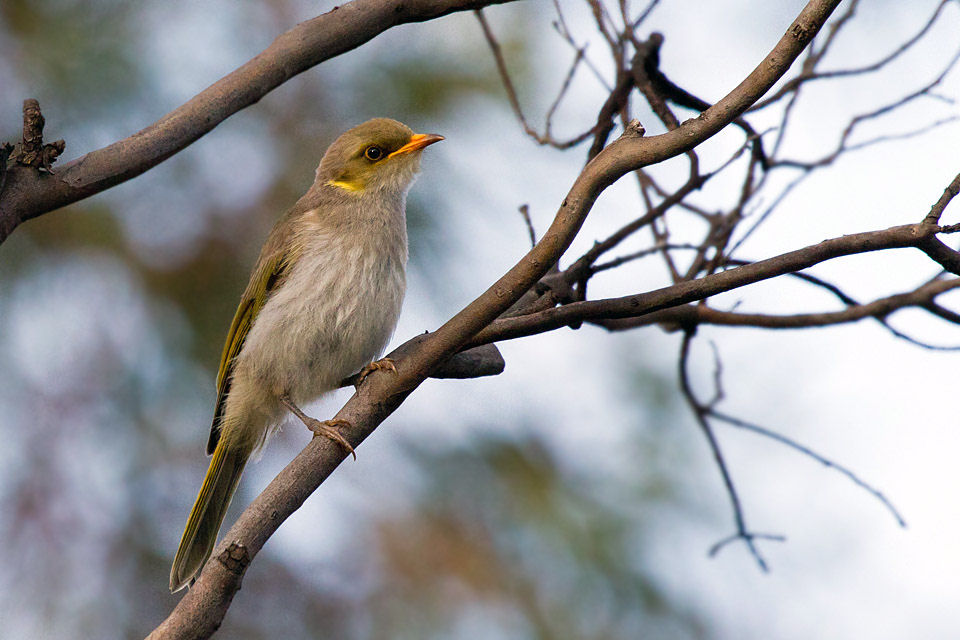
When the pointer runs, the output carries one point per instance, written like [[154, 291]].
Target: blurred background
[[571, 497]]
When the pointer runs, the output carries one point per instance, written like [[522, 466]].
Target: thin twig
[[642, 253], [848, 131], [501, 63], [808, 76], [524, 210], [810, 453], [560, 26], [700, 413], [644, 14]]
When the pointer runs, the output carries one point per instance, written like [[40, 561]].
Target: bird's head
[[380, 154]]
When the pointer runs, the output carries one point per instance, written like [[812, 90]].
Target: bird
[[321, 304]]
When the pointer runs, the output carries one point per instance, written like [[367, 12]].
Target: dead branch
[[545, 138], [700, 413], [813, 455]]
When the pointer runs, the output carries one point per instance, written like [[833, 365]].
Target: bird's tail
[[200, 534]]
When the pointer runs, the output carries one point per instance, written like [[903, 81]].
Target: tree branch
[[27, 194], [813, 455], [911, 235], [697, 314]]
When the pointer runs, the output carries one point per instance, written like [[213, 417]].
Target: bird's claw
[[320, 427], [326, 428], [386, 364]]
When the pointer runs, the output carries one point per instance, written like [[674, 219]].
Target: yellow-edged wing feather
[[220, 482], [265, 279]]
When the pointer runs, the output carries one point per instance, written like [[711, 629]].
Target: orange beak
[[417, 142]]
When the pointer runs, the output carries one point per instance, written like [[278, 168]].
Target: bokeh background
[[570, 497]]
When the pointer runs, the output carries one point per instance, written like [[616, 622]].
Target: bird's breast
[[334, 312]]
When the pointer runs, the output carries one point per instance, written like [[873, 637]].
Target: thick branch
[[477, 362], [28, 194]]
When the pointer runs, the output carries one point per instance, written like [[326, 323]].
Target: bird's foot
[[321, 427], [386, 364], [326, 428]]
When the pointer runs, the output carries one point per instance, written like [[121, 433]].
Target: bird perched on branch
[[322, 302]]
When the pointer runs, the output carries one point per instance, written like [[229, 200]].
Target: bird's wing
[[265, 280]]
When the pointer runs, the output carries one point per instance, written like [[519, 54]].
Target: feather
[[267, 278]]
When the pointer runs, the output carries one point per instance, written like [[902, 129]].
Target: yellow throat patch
[[353, 187]]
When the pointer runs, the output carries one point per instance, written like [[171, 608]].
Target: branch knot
[[31, 152], [235, 558], [633, 130]]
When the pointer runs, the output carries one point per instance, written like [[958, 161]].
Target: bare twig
[[505, 77], [810, 75], [643, 253], [583, 264], [810, 453], [700, 412], [903, 135], [644, 14], [524, 210], [561, 27], [843, 144], [545, 138]]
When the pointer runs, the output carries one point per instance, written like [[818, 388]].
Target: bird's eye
[[373, 153]]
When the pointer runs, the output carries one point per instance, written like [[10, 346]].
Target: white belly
[[333, 314]]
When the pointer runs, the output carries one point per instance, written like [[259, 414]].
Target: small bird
[[321, 304]]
